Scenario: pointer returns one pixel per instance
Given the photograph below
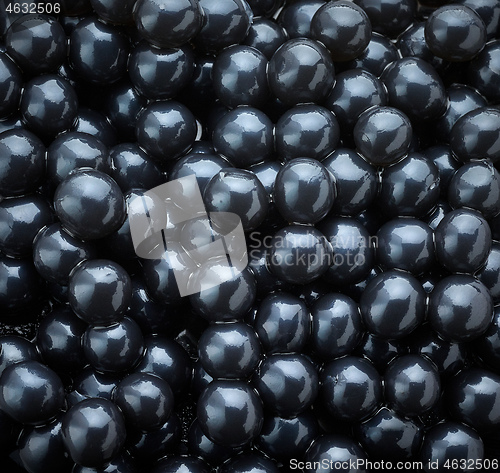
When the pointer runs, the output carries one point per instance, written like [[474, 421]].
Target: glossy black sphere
[[287, 383], [487, 346], [181, 464], [377, 55], [489, 274], [96, 124], [483, 73], [379, 351], [343, 27], [252, 462], [455, 33], [447, 165], [301, 70], [463, 241], [49, 105], [266, 36], [383, 135], [10, 86], [30, 392], [230, 413], [296, 17], [114, 11], [14, 349], [411, 43], [488, 10], [93, 432], [91, 383]]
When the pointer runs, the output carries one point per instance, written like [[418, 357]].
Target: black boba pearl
[[410, 187], [287, 383], [284, 438], [159, 279], [383, 135], [133, 168], [114, 11], [393, 304], [353, 254], [433, 219], [296, 17], [93, 432], [377, 55], [489, 274], [114, 348], [59, 340], [21, 218], [10, 86], [123, 104], [266, 173], [332, 448], [229, 350], [343, 27], [405, 243], [476, 135], [48, 105], [379, 351], [98, 52], [20, 283], [73, 150], [56, 253], [355, 180], [181, 464], [225, 23], [450, 441], [299, 254], [304, 191], [411, 43], [387, 435], [306, 131], [487, 346], [444, 160], [91, 383], [89, 204], [463, 241], [411, 385], [160, 73], [230, 300], [414, 87], [37, 43], [455, 33], [351, 388], [168, 24], [476, 185], [230, 413], [460, 308], [251, 462], [483, 71], [96, 124], [41, 449], [166, 130], [336, 326], [266, 36], [14, 349], [301, 70], [282, 323], [30, 392], [245, 136], [146, 400], [240, 192], [99, 291], [122, 463], [389, 17], [355, 91], [239, 77]]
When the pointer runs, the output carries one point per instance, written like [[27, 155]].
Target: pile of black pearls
[[357, 141]]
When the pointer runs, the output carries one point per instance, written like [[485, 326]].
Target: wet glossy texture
[[95, 124], [483, 71], [93, 432], [230, 413], [379, 350], [489, 274], [411, 43], [37, 43], [411, 385], [30, 392], [306, 131], [266, 36], [476, 135], [463, 241], [114, 11], [383, 135], [388, 435], [377, 55], [460, 308], [181, 464], [301, 70], [455, 33], [10, 86], [91, 383], [393, 304], [488, 345], [343, 27], [296, 17], [447, 165], [244, 136], [252, 462], [48, 105], [13, 349]]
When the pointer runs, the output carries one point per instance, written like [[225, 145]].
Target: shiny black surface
[[30, 392], [383, 135], [13, 349], [393, 304], [296, 17], [10, 86], [488, 10], [463, 241], [447, 165], [379, 351], [301, 70], [460, 308], [489, 274], [91, 383], [95, 124], [181, 464], [230, 413], [266, 36], [287, 383], [487, 345], [343, 27], [114, 11], [411, 43], [252, 462], [482, 73]]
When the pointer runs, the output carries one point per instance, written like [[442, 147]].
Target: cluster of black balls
[[358, 142]]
